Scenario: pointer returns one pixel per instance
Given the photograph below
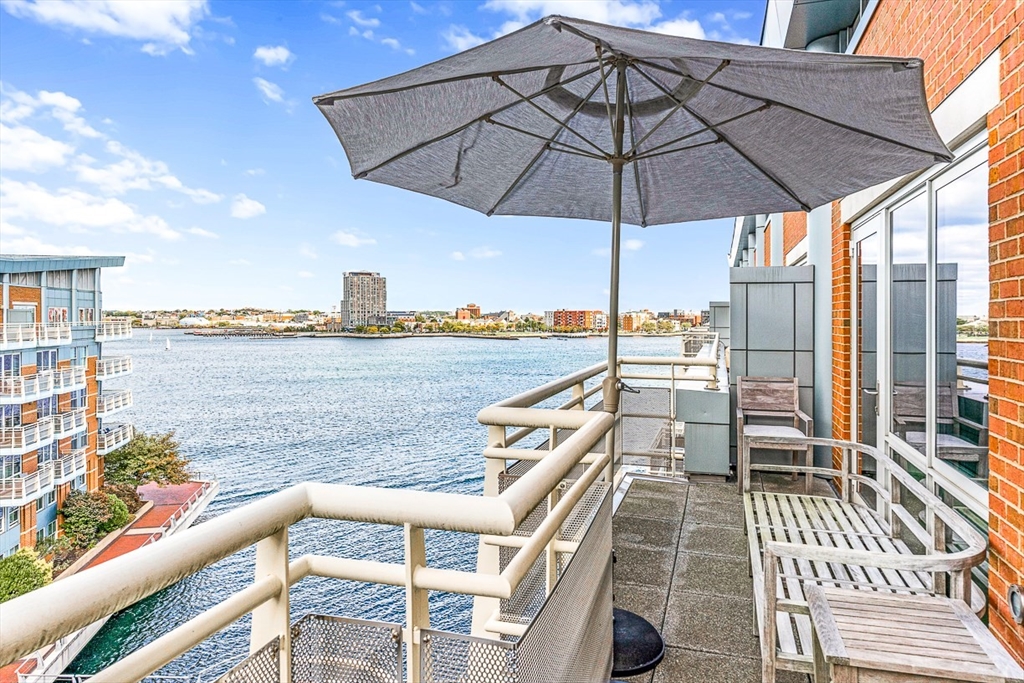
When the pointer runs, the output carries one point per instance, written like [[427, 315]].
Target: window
[[80, 440], [79, 355], [86, 315], [79, 399], [47, 453], [46, 360], [79, 484], [59, 279], [12, 517], [25, 279], [11, 466], [11, 416], [57, 314], [45, 407], [45, 501], [10, 363], [86, 278]]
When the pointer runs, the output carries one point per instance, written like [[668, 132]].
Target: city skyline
[[233, 190]]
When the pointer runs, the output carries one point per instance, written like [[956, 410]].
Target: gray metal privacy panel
[[521, 125]]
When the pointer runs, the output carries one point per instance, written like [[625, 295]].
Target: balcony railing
[[69, 379], [17, 389], [111, 329], [111, 438], [24, 438], [70, 423], [25, 488], [113, 366], [69, 466], [110, 402], [28, 335]]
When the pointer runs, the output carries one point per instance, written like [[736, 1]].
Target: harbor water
[[262, 414]]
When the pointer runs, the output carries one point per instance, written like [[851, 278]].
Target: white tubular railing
[[17, 389], [110, 402], [25, 488], [31, 621], [69, 379], [115, 366], [69, 466], [113, 438], [110, 329], [71, 422], [20, 440], [27, 335]]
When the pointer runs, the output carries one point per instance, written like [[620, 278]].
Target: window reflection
[[908, 318], [962, 291], [865, 268]]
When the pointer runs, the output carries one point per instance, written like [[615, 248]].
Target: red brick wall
[[794, 229], [768, 245], [954, 37], [842, 344], [1006, 345]]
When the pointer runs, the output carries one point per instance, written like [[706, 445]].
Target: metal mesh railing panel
[[646, 423], [570, 638], [262, 666], [339, 650]]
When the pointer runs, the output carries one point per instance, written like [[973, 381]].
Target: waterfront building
[[586, 320], [57, 408], [917, 283], [364, 299], [467, 312]]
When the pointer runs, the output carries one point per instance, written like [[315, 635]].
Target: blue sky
[[182, 135]]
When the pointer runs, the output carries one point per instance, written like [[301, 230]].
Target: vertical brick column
[[842, 340], [1006, 340]]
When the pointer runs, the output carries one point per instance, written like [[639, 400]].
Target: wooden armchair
[[910, 418], [771, 398]]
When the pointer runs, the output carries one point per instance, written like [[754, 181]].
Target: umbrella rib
[[632, 139], [604, 82], [798, 110], [542, 110], [455, 131], [578, 150], [678, 149], [679, 105], [547, 145], [778, 183], [647, 152]]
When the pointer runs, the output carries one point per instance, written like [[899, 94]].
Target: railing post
[[672, 419], [550, 556], [937, 528], [488, 557], [577, 394], [272, 619], [417, 611]]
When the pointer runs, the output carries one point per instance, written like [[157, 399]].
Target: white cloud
[[687, 28], [633, 245], [77, 209], [254, 171], [305, 273], [460, 38], [203, 233], [243, 207], [17, 106], [135, 172], [164, 25], [33, 245], [418, 8], [357, 18], [484, 252], [239, 262], [24, 149], [329, 18], [347, 239], [277, 55], [458, 256], [271, 92], [395, 45], [308, 251]]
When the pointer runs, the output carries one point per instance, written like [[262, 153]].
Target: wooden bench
[[856, 541]]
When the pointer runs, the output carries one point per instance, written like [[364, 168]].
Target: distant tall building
[[364, 299]]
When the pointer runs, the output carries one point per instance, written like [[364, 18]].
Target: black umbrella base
[[637, 646]]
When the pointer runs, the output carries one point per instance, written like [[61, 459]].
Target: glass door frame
[[865, 228]]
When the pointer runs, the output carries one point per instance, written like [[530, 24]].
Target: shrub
[[127, 493], [147, 458], [89, 517], [22, 572]]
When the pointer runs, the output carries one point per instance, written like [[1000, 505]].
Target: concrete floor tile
[[647, 601], [713, 540], [714, 574], [682, 665], [662, 534], [654, 507], [662, 489], [643, 566], [689, 615], [705, 492]]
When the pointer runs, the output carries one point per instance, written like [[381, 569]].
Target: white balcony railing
[[25, 438], [17, 389], [69, 466], [70, 423], [28, 335], [111, 329], [69, 379], [113, 366], [110, 402], [111, 438], [25, 488]]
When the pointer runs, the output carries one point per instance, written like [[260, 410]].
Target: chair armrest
[[807, 420], [972, 424]]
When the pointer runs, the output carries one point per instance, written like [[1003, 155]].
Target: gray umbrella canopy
[[574, 119]]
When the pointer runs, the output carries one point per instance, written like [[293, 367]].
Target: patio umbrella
[[576, 119]]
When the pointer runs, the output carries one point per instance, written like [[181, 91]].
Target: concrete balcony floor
[[682, 565]]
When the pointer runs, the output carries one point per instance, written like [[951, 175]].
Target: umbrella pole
[[610, 392]]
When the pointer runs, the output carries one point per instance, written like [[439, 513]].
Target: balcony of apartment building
[[22, 489], [113, 366], [112, 329], [69, 467], [112, 402], [15, 336], [112, 437], [22, 439], [69, 423], [19, 389]]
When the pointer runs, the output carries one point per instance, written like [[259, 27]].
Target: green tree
[[372, 329], [89, 517], [147, 458], [649, 327], [22, 572]]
